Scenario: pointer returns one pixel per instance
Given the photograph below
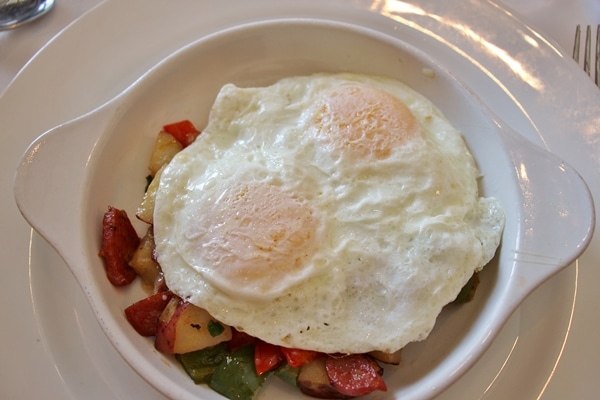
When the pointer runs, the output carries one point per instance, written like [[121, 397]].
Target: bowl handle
[[553, 236], [49, 178]]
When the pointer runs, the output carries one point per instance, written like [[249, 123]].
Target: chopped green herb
[[467, 293], [215, 328]]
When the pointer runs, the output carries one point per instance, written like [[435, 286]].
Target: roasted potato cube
[[145, 211], [143, 261], [314, 381], [165, 147], [388, 358], [183, 328]]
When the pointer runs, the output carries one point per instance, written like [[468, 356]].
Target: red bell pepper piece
[[267, 356], [239, 340], [298, 357], [184, 131]]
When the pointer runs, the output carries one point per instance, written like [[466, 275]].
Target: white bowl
[[69, 176]]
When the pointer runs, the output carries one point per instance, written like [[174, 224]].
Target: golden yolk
[[255, 235], [366, 120]]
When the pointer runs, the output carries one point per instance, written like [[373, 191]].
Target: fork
[[588, 51]]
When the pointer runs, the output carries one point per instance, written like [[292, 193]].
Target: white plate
[[531, 87], [538, 241]]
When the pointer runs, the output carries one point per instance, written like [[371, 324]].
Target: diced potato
[[143, 260], [165, 148], [388, 358], [145, 211], [183, 328], [314, 381]]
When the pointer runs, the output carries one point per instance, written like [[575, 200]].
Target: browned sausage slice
[[119, 242], [355, 374]]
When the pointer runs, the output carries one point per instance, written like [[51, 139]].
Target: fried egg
[[331, 212]]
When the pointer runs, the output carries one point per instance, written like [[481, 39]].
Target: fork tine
[[588, 50], [577, 43], [591, 56], [597, 69]]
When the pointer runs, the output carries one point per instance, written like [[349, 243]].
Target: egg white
[[283, 223]]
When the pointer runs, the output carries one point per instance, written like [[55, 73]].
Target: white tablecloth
[[32, 371]]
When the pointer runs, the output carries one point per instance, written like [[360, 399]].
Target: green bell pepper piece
[[200, 365], [236, 377]]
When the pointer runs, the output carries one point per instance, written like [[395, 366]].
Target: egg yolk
[[366, 120], [254, 239]]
